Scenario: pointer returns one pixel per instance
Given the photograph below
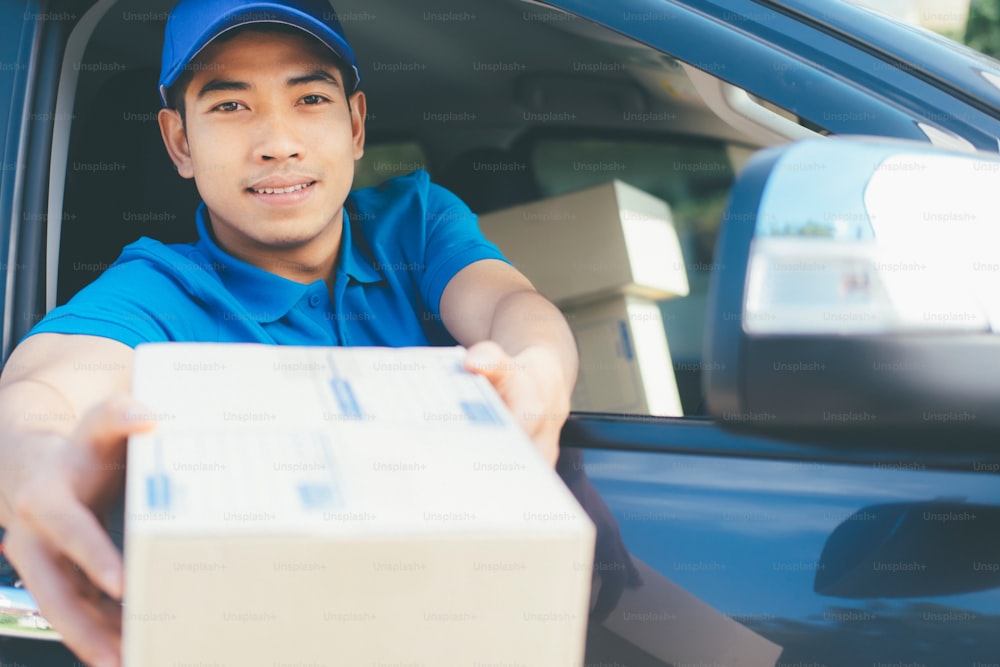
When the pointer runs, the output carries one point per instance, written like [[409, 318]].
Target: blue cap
[[194, 23]]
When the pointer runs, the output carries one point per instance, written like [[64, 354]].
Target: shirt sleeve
[[454, 241], [130, 303]]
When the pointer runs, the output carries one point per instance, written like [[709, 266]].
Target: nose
[[279, 139]]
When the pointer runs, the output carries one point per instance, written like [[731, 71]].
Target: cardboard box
[[343, 506], [587, 245], [625, 363]]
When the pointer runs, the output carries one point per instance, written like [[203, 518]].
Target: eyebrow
[[317, 75], [222, 84]]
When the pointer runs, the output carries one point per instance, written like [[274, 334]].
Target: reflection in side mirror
[[858, 296], [904, 242], [905, 550]]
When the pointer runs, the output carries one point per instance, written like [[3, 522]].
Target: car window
[[612, 138], [385, 160], [694, 179]]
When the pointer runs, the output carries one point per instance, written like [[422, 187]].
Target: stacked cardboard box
[[604, 255]]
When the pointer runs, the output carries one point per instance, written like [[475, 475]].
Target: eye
[[314, 99], [228, 106]]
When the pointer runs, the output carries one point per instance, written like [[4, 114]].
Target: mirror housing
[[910, 550], [856, 296]]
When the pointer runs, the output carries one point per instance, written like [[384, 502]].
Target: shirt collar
[[267, 297], [356, 255]]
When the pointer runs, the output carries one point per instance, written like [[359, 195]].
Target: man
[[263, 111]]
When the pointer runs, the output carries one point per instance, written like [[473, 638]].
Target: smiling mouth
[[281, 191]]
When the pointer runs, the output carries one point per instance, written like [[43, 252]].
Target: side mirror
[[858, 296]]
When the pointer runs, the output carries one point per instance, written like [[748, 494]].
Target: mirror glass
[[876, 238]]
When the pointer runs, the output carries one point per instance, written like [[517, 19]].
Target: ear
[[359, 109], [175, 139]]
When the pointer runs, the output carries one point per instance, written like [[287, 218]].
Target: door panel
[[745, 536]]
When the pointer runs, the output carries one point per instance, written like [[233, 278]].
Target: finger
[[60, 519], [87, 622], [549, 447], [488, 359], [98, 450], [106, 427]]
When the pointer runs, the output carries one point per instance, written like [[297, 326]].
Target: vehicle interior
[[502, 82]]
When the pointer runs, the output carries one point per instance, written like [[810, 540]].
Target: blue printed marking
[[318, 496], [345, 398], [157, 491], [479, 413], [626, 342]]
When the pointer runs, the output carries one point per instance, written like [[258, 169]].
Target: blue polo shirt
[[401, 244]]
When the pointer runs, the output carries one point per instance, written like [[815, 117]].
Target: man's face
[[270, 142]]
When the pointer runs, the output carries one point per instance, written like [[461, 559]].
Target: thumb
[[488, 359]]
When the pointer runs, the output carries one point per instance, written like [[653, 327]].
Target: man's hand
[[55, 538], [519, 341], [532, 385]]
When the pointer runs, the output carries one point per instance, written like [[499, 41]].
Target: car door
[[32, 38], [16, 45], [35, 37], [741, 523]]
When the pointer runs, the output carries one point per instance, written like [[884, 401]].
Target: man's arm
[[49, 381], [532, 358], [64, 417]]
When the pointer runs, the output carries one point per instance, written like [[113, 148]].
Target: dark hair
[[175, 94]]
